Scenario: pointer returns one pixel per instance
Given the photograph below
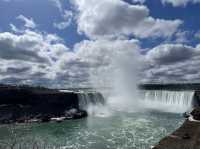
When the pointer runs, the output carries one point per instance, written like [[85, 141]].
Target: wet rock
[[196, 113], [38, 116], [75, 114], [186, 115], [186, 136], [34, 121], [80, 114], [45, 118], [70, 113], [21, 120], [58, 119]]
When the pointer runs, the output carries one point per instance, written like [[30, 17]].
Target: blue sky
[[159, 30], [45, 13]]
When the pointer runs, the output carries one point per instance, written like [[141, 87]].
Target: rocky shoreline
[[185, 137], [23, 104], [37, 117]]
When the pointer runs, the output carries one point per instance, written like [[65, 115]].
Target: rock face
[[186, 137], [25, 104], [196, 99], [196, 113]]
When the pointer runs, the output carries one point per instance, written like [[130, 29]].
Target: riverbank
[[185, 137]]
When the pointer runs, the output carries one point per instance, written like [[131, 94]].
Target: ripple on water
[[120, 131]]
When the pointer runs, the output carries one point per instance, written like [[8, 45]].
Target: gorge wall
[[24, 103]]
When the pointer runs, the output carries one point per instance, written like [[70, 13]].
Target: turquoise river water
[[120, 130]]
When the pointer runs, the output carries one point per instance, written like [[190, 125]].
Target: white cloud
[[95, 62], [108, 18], [58, 4], [170, 53], [29, 23], [172, 63], [67, 14], [29, 57], [38, 58], [67, 17], [61, 25], [182, 36], [14, 28], [151, 27], [177, 3]]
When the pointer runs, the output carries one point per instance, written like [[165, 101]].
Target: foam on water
[[99, 110]]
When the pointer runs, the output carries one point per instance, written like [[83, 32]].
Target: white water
[[94, 103], [90, 98], [168, 101], [160, 100]]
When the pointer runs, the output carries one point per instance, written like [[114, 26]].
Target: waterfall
[[169, 101], [90, 98], [94, 103], [161, 100]]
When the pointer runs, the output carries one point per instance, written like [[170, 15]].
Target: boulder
[[58, 119], [186, 115], [196, 113], [80, 114], [45, 118]]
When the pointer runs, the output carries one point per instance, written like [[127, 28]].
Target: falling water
[[168, 101], [90, 98], [94, 103], [161, 100]]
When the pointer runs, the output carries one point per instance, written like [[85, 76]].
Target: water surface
[[120, 131]]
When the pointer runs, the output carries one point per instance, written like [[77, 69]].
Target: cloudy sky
[[64, 43]]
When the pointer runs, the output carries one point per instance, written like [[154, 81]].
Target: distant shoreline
[[170, 86]]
